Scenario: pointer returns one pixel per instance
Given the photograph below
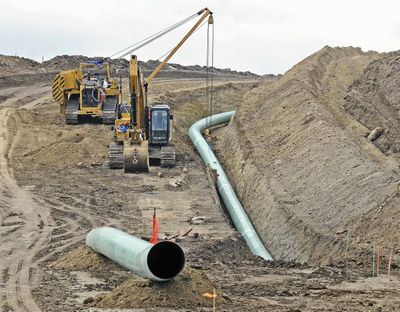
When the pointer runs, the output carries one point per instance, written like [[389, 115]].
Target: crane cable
[[165, 54], [149, 39], [210, 71]]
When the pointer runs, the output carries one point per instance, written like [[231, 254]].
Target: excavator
[[89, 90], [143, 132]]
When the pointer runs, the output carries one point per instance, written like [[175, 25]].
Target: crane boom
[[143, 137], [206, 12]]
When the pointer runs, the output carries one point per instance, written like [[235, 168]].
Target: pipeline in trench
[[232, 203]]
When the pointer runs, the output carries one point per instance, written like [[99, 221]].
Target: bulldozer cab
[[159, 124], [92, 93]]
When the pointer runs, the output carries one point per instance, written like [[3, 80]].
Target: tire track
[[31, 232]]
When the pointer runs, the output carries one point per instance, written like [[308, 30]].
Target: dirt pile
[[374, 100], [17, 65], [50, 140], [302, 166], [185, 291], [65, 62], [82, 258]]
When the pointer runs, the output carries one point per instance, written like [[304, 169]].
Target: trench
[[236, 211]]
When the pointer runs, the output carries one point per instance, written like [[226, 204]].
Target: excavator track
[[71, 110], [136, 157], [109, 110], [168, 157], [116, 156]]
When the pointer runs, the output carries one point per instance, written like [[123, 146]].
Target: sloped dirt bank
[[373, 100], [302, 166]]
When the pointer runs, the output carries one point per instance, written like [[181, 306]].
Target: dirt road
[[24, 222]]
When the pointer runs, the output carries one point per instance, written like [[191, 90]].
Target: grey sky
[[260, 36]]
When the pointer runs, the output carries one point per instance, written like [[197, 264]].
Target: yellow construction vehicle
[[89, 90], [146, 139]]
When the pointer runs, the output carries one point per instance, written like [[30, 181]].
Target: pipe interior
[[165, 260]]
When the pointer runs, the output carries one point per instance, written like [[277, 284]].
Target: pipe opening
[[165, 260]]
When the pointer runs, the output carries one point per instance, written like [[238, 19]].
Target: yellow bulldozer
[[143, 132], [89, 90]]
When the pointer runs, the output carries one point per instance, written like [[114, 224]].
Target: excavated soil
[[303, 168], [290, 137], [373, 99], [82, 258], [186, 291]]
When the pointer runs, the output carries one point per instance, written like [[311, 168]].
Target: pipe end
[[166, 260]]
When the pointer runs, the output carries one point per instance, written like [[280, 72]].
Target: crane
[[143, 132]]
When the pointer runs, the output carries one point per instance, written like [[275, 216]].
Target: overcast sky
[[262, 36]]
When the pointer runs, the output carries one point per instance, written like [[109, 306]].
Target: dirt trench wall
[[374, 100], [301, 174]]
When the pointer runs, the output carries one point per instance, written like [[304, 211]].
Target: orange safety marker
[[154, 235]]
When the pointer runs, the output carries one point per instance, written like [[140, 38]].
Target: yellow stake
[[378, 259], [390, 261], [214, 297]]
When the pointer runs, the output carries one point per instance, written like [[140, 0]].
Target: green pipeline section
[[160, 262], [232, 203]]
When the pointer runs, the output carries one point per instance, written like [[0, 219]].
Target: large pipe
[[232, 203], [160, 262]]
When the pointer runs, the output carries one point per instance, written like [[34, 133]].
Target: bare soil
[[304, 169], [55, 187], [373, 99]]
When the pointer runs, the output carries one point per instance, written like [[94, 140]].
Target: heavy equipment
[[143, 132], [89, 90]]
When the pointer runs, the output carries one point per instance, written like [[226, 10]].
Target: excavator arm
[[136, 91]]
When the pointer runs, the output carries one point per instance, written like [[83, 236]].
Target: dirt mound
[[186, 291], [65, 62], [373, 100], [302, 168], [81, 258], [50, 140], [171, 70], [14, 64]]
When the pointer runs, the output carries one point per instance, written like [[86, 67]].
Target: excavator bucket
[[136, 157]]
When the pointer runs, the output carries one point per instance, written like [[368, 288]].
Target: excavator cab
[[159, 133], [159, 124]]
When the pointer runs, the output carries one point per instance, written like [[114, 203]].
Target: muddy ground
[[55, 186]]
